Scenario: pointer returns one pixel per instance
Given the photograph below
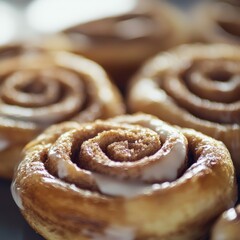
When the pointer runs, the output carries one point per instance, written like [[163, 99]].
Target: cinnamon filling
[[132, 155]]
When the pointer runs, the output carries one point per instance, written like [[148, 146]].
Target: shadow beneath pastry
[[29, 234], [12, 224], [10, 218]]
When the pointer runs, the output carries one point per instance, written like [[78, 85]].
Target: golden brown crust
[[216, 22], [121, 43], [50, 183], [194, 86], [39, 88], [227, 226]]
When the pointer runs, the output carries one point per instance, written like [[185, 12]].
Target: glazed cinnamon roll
[[194, 86], [217, 22], [39, 88], [130, 177], [120, 43], [228, 225]]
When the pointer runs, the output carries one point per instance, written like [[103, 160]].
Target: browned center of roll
[[114, 152]]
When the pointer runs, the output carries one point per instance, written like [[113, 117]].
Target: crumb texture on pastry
[[129, 177], [39, 88], [194, 86]]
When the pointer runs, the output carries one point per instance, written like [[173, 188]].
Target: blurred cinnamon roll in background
[[227, 226], [194, 86], [122, 41], [130, 177], [216, 21], [39, 88]]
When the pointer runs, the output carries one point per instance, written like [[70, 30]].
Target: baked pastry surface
[[194, 86], [130, 177], [39, 88]]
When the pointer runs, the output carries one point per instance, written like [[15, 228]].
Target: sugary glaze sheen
[[217, 22], [122, 42], [228, 225], [39, 88], [98, 181], [194, 86]]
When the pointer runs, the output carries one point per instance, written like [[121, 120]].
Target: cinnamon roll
[[228, 225], [194, 86], [120, 43], [130, 177], [39, 88], [217, 22]]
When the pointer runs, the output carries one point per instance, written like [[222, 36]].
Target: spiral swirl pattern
[[39, 88], [97, 176], [130, 153], [194, 86]]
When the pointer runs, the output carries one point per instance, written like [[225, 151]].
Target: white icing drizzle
[[118, 187], [169, 164], [59, 183], [230, 215], [198, 168], [167, 167], [124, 188], [16, 195], [112, 233], [62, 169]]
